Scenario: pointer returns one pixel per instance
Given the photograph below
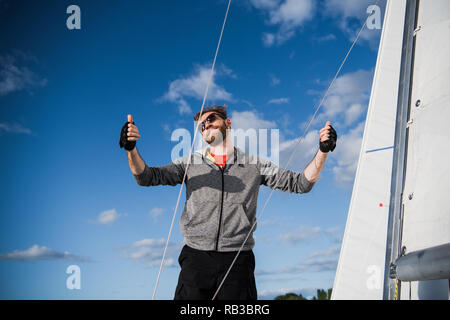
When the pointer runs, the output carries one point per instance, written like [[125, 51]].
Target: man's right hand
[[129, 135]]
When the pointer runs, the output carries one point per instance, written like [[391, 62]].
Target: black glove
[[330, 144], [123, 142]]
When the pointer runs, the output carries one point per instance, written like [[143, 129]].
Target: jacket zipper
[[220, 215]]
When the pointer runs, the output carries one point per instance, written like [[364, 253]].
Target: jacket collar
[[239, 155]]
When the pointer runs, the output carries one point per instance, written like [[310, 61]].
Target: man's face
[[215, 131]]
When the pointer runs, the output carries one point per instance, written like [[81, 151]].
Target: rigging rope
[[296, 146], [396, 288], [190, 151]]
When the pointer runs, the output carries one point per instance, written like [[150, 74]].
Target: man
[[222, 184]]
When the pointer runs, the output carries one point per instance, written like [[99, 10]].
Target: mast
[[394, 231]]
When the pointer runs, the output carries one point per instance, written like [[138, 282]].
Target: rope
[[190, 151], [396, 287], [293, 152]]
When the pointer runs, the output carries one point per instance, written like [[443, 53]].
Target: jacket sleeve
[[283, 179], [171, 174]]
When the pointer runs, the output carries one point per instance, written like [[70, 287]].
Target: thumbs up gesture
[[328, 138], [129, 134]]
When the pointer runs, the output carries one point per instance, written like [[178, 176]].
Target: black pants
[[202, 272]]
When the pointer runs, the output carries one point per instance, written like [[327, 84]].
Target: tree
[[321, 295], [290, 296]]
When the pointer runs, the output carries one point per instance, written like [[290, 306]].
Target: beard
[[215, 135]]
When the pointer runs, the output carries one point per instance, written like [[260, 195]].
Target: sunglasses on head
[[210, 119]]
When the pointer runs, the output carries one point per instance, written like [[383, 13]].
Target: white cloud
[[248, 103], [274, 81], [353, 113], [155, 213], [36, 252], [288, 15], [278, 101], [350, 14], [150, 252], [334, 234], [325, 260], [249, 120], [265, 4], [345, 99], [327, 37], [320, 264], [345, 107], [224, 70], [304, 152], [194, 86], [346, 104], [17, 77], [268, 39], [332, 251], [13, 128], [247, 136], [332, 230], [292, 13], [319, 261], [149, 243], [347, 8], [347, 155], [300, 235], [108, 217]]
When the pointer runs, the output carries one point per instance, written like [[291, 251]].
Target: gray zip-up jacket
[[220, 206]]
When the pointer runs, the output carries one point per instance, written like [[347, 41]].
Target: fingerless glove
[[330, 143], [123, 142]]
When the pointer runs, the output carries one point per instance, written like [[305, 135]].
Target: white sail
[[426, 217], [426, 205], [361, 263]]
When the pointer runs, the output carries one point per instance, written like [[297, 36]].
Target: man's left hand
[[328, 138]]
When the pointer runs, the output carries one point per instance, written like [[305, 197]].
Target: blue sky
[[68, 196]]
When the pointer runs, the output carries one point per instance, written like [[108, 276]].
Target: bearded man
[[222, 185]]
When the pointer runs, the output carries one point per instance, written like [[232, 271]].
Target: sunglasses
[[210, 119]]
